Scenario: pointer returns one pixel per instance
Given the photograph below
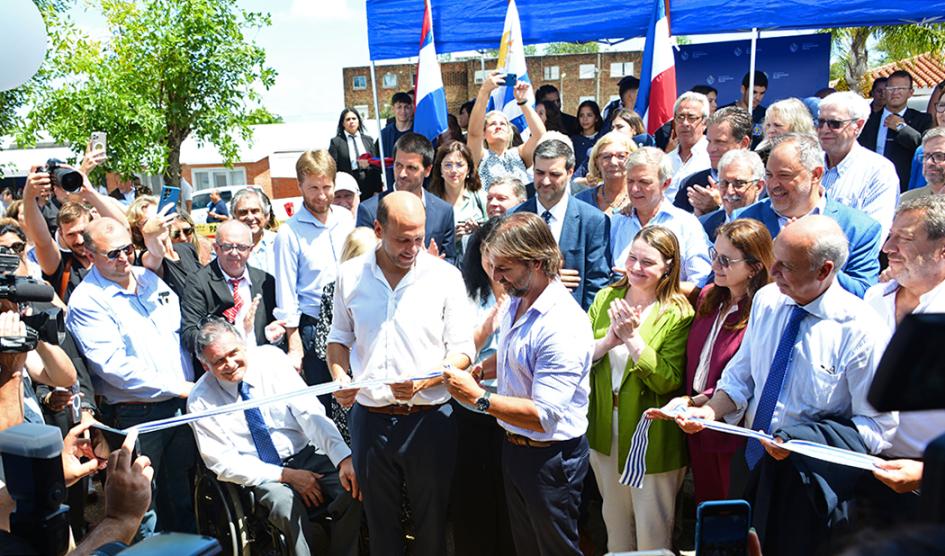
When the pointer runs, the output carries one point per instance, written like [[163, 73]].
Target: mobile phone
[[510, 80], [98, 141], [169, 196], [106, 440], [722, 528]]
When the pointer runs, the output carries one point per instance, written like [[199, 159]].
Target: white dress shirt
[[556, 223], [698, 161], [696, 265], [404, 331], [355, 148], [225, 442], [246, 295], [263, 255], [884, 131], [916, 428], [865, 181], [307, 256], [838, 346]]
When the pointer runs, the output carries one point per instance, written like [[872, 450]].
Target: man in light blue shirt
[[543, 365], [648, 175], [126, 321], [308, 249]]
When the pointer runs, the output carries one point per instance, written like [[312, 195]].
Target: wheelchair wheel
[[220, 515]]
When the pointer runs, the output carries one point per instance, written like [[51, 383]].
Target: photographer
[[64, 260]]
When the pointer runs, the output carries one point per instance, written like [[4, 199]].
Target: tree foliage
[[572, 48], [894, 42], [168, 69]]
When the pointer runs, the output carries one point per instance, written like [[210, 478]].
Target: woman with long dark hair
[[455, 180], [590, 122], [348, 146]]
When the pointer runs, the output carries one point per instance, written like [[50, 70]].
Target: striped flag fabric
[[512, 64], [658, 75], [430, 109]]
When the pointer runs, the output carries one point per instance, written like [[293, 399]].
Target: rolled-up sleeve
[[342, 325], [559, 370], [287, 261]]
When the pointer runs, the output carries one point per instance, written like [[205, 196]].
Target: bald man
[[400, 312], [804, 370], [126, 321], [228, 287]]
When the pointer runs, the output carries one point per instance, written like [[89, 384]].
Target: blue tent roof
[[458, 25]]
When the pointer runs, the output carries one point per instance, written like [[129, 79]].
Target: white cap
[[346, 182]]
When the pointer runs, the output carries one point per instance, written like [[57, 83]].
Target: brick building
[[578, 76]]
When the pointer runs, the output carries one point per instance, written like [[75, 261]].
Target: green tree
[[572, 48], [853, 45], [169, 69]]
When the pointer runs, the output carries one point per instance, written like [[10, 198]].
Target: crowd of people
[[512, 304]]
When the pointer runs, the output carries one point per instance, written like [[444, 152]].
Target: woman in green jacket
[[641, 324]]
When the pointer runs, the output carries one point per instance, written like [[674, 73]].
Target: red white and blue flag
[[658, 75], [430, 111]]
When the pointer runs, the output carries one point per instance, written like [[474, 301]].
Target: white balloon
[[22, 42]]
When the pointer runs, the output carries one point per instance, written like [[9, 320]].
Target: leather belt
[[616, 400], [520, 440], [401, 409]]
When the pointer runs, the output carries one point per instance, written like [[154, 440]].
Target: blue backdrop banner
[[796, 66]]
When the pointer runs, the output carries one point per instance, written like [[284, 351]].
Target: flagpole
[[751, 70], [377, 114]]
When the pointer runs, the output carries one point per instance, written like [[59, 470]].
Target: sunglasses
[[227, 247], [128, 250], [177, 234], [832, 124], [937, 158], [16, 248], [723, 260]]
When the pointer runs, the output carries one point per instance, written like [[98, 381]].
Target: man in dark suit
[[413, 161], [228, 288], [741, 181], [897, 131], [581, 230], [349, 144], [795, 168], [550, 93]]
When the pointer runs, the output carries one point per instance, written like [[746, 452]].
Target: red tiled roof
[[927, 70]]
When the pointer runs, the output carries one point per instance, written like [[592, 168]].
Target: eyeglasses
[[619, 157], [832, 124], [128, 250], [737, 185], [723, 260], [937, 158], [227, 247], [687, 118], [16, 247], [940, 107], [176, 234]]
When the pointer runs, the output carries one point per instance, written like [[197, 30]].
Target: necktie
[[230, 314], [547, 217], [357, 152], [773, 384], [259, 431]]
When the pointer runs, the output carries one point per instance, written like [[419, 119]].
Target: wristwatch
[[900, 125], [482, 404]]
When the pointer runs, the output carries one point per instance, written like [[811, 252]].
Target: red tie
[[230, 314]]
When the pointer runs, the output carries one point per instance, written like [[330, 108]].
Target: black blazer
[[439, 225], [209, 294], [369, 180], [904, 143], [682, 197]]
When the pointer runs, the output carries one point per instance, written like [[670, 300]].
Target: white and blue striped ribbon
[[316, 390], [635, 467]]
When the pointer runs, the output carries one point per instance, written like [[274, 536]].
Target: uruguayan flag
[[511, 63]]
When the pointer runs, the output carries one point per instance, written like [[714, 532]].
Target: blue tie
[[547, 216], [773, 384], [260, 432]]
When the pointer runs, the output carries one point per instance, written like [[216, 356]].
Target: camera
[[45, 324], [68, 179]]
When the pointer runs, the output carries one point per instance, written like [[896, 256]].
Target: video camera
[[68, 179], [45, 325]]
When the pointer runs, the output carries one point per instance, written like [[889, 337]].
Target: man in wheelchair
[[289, 453]]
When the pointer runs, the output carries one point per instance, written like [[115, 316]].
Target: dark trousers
[[418, 450], [543, 489], [173, 455], [285, 509], [478, 508], [314, 370]]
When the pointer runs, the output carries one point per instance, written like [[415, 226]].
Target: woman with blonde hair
[[640, 324], [607, 173], [789, 115], [490, 135]]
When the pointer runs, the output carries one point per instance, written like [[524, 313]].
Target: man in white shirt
[[400, 312], [854, 175], [308, 248], [810, 352], [269, 448], [691, 154], [916, 251]]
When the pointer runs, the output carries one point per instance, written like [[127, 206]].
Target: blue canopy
[[458, 25]]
